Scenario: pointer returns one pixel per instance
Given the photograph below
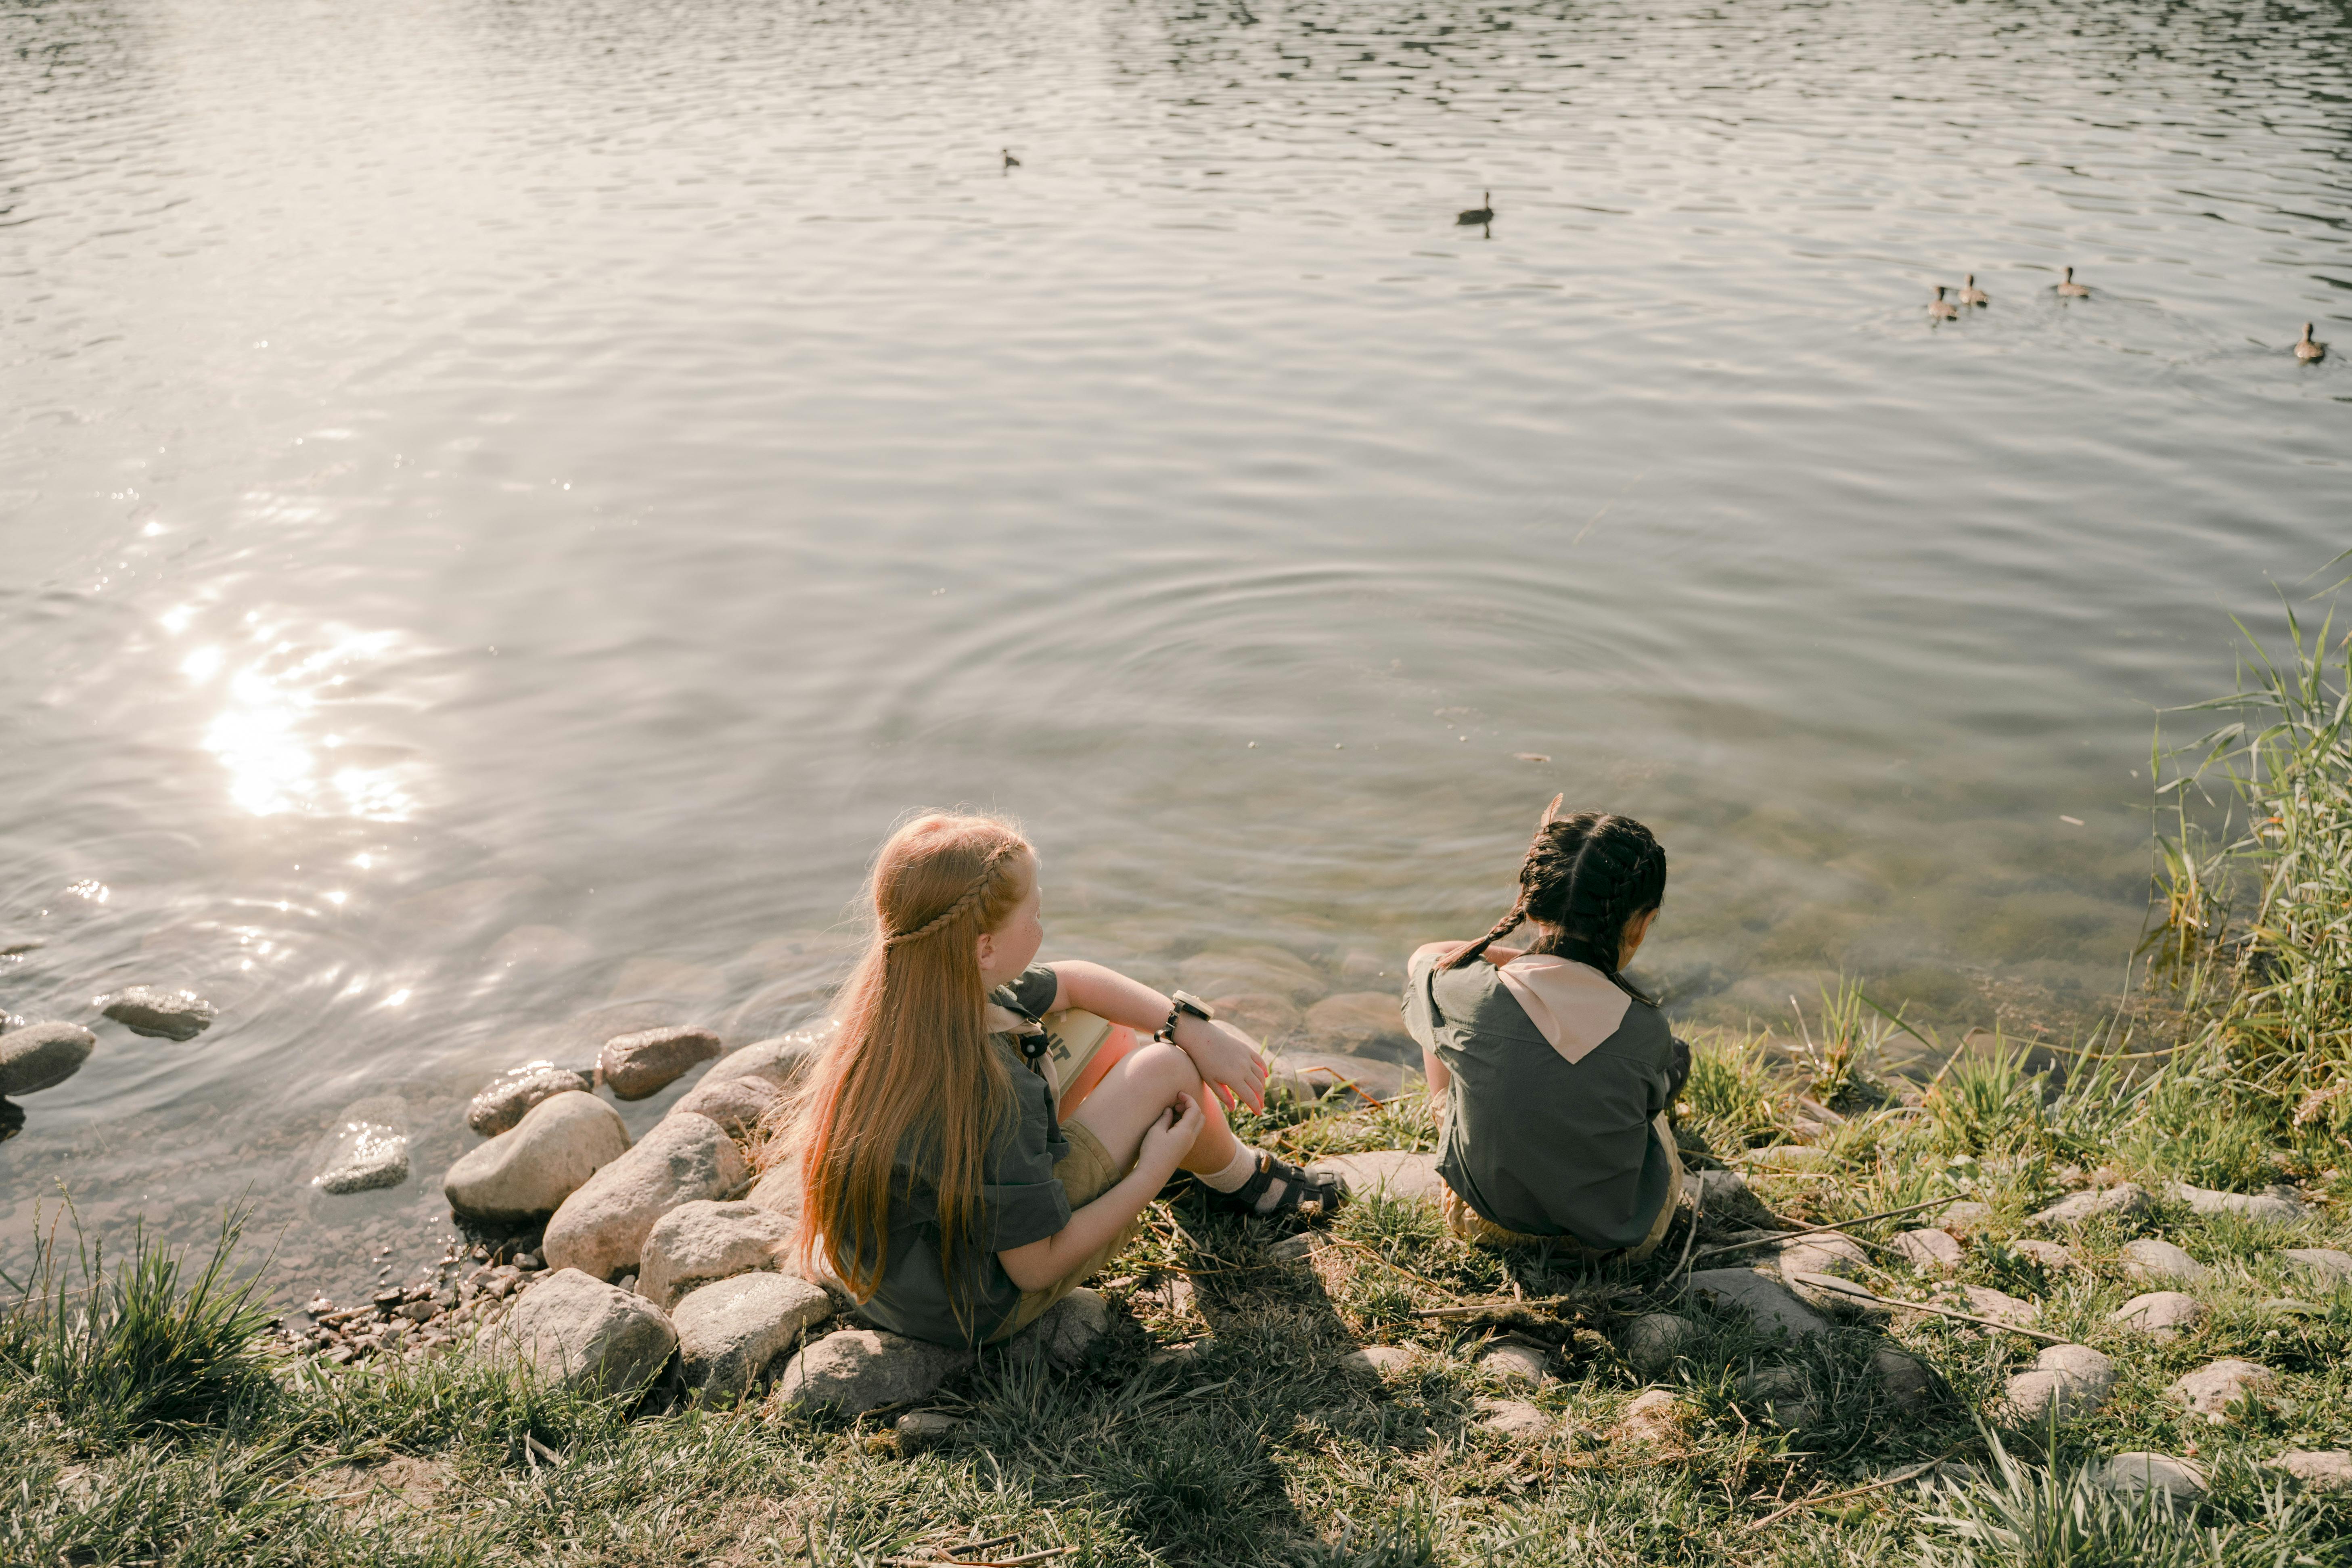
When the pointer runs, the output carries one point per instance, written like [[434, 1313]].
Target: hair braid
[[971, 896], [1585, 877]]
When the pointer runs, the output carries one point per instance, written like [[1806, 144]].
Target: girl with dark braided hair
[[1556, 1071]]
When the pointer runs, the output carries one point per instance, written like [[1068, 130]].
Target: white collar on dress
[[1574, 1004]]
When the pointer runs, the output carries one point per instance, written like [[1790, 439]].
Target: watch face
[[1186, 1002]]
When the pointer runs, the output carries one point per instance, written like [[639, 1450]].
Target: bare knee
[[1163, 1068]]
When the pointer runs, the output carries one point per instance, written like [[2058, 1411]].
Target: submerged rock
[[529, 1170], [2163, 1313], [1359, 1023], [1262, 1016], [160, 1015], [601, 1228], [2074, 1379], [701, 1241], [2148, 1258], [42, 1056], [514, 1091], [645, 1063], [582, 1333], [728, 1330], [2182, 1480], [368, 1155], [2212, 1389], [1770, 1303], [1271, 970], [856, 1370]]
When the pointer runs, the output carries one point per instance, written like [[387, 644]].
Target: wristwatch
[[1185, 1001]]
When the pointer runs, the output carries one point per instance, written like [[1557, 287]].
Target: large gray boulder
[[42, 1056], [161, 1015], [2076, 1379], [650, 1060], [728, 1330], [529, 1170], [508, 1096], [856, 1370], [2163, 1313], [2126, 1201], [601, 1229], [2160, 1262], [735, 1103], [2214, 1388], [699, 1242], [1770, 1303], [582, 1333]]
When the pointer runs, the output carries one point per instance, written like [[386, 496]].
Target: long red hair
[[912, 1066]]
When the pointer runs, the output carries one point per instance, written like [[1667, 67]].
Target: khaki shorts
[[1086, 1174], [1473, 1227]]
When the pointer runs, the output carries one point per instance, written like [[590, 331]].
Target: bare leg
[[1134, 1093]]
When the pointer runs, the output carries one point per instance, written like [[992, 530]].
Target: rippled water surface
[[504, 503]]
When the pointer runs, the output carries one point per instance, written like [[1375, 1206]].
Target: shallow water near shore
[[504, 507]]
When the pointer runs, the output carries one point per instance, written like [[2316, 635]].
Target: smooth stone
[[2076, 1379], [159, 1015], [2326, 1469], [514, 1091], [2213, 1388], [781, 1059], [2182, 1480], [1770, 1303], [2163, 1313], [1390, 1173], [699, 1242], [919, 1429], [2280, 1205], [601, 1228], [581, 1332], [2161, 1261], [1904, 1377], [1065, 1333], [1184, 1354], [645, 1063], [1652, 1341], [1263, 1016], [735, 1103], [1519, 1366], [2324, 1263], [1987, 1302], [856, 1370], [1964, 1217], [728, 1330], [1656, 1416], [532, 1170], [1827, 1253], [1359, 1023], [1361, 965], [1781, 1391], [1309, 1076], [1930, 1251], [42, 1056], [1784, 1157], [371, 1156], [2128, 1201], [1513, 1419], [778, 1190], [1726, 1190], [2054, 1256], [1377, 1361], [1273, 971]]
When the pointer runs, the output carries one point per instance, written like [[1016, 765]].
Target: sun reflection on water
[[262, 732]]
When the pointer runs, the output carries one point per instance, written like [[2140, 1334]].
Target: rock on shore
[[856, 1370], [645, 1063], [368, 1156], [42, 1056], [549, 1154], [161, 1014], [728, 1330], [580, 1331], [602, 1227], [699, 1242], [514, 1091]]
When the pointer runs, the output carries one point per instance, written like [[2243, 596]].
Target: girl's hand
[[1170, 1138], [1227, 1060]]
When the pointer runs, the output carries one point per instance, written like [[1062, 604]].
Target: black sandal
[[1309, 1194]]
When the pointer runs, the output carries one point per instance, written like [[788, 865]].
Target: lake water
[[503, 505]]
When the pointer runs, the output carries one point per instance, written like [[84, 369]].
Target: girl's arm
[[1227, 1060], [1039, 1264]]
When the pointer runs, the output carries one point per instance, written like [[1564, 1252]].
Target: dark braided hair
[[1587, 876]]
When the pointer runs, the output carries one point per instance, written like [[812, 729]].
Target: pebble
[[2054, 1256], [2182, 1480], [370, 1155], [1825, 1252], [1514, 1419], [2128, 1201], [919, 1429], [602, 1227], [1306, 1077], [1517, 1364], [1656, 1416], [1379, 1360], [857, 1370], [1184, 1354], [728, 1330], [1722, 1190], [704, 1240], [2212, 1390], [1964, 1217], [1904, 1377], [42, 1056], [514, 1091], [2151, 1259], [1929, 1251], [532, 1170], [2327, 1469], [2163, 1313], [1770, 1303], [1652, 1341], [582, 1333], [1391, 1172], [1785, 1157], [2077, 1379], [2324, 1263], [161, 1014], [645, 1063], [1781, 1391], [2281, 1203], [1987, 1302]]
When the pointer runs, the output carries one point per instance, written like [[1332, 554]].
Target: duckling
[[1941, 309], [2070, 289], [1485, 213], [1010, 161], [1972, 295], [2307, 350]]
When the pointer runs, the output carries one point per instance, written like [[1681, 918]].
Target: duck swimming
[[2307, 350], [1972, 295], [1941, 309], [1478, 214], [1010, 161], [2070, 289]]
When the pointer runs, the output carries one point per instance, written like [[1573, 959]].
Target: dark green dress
[[1532, 1142], [1020, 1202]]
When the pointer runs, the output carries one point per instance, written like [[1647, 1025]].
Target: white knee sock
[[1242, 1168]]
